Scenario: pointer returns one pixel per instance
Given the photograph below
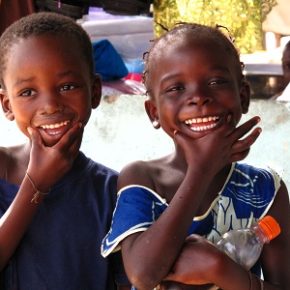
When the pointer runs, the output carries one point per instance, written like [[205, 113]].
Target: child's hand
[[48, 164], [241, 147], [196, 262], [220, 147]]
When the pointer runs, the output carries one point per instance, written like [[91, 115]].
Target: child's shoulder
[[4, 157], [141, 172], [13, 159], [264, 177], [263, 180], [264, 172]]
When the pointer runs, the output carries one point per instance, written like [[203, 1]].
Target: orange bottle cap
[[270, 226]]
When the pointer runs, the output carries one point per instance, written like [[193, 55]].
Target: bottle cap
[[270, 226]]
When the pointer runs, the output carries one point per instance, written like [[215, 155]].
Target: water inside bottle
[[243, 247]]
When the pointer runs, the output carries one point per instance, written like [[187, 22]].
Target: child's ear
[[152, 113], [245, 93], [96, 91], [6, 105]]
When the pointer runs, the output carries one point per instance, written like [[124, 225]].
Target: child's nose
[[51, 104], [198, 96], [199, 100]]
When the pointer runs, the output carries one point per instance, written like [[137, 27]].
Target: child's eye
[[67, 87], [175, 88], [173, 91], [27, 93], [216, 82]]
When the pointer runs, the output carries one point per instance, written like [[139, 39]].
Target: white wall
[[120, 132]]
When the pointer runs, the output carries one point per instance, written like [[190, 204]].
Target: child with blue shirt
[[55, 203]]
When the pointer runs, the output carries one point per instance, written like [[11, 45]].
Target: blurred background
[[260, 30], [123, 30]]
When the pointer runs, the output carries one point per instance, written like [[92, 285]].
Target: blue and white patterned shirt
[[246, 196]]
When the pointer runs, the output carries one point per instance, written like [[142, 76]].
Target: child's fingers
[[72, 136], [34, 137], [241, 148], [248, 141], [75, 145], [193, 238], [181, 140], [176, 137], [240, 155], [245, 128]]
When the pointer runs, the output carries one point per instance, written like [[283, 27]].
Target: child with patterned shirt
[[172, 210]]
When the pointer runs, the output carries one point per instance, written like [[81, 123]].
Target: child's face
[[48, 86], [194, 89]]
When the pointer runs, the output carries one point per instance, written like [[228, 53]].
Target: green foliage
[[243, 18]]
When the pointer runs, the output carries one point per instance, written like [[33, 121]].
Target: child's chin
[[50, 142], [200, 134]]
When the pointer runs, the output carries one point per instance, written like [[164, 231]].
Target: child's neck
[[215, 186]]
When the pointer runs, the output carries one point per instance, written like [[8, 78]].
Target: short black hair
[[193, 31], [45, 23]]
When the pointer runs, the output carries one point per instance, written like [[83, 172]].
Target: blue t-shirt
[[61, 248]]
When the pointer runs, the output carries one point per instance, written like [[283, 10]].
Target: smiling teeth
[[203, 128], [55, 126], [201, 120], [202, 123]]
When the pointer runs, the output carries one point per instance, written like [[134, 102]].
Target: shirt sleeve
[[136, 209]]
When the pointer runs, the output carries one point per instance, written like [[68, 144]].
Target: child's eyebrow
[[71, 73], [19, 81], [217, 68], [168, 77], [67, 73], [221, 69]]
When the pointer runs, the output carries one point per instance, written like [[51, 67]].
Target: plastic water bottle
[[244, 246]]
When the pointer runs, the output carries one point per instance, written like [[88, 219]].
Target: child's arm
[[197, 255], [200, 262], [149, 256], [275, 256], [46, 166]]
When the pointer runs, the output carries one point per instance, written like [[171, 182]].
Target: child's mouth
[[201, 124], [56, 128]]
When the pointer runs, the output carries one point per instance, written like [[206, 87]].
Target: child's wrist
[[38, 194]]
